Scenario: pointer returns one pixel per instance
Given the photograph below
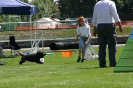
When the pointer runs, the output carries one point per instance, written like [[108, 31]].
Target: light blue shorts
[[82, 43]]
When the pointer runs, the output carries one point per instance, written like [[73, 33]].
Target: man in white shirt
[[104, 17]]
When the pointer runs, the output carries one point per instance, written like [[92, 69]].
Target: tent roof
[[16, 7], [45, 20]]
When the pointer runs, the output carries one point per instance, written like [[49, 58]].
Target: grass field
[[62, 72]]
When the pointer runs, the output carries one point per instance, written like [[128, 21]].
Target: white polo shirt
[[105, 12], [83, 31]]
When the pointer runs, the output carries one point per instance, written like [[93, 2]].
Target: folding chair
[[12, 44]]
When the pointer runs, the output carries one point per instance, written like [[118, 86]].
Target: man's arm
[[116, 16]]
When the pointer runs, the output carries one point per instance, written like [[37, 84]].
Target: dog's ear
[[40, 54]]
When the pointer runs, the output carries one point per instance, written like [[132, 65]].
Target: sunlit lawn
[[62, 72]]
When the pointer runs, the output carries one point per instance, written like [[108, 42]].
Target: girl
[[83, 31]]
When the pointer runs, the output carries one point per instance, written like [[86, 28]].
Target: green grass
[[62, 72]]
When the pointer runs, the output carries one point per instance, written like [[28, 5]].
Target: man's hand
[[120, 29]]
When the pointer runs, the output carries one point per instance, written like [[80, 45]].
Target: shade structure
[[16, 7]]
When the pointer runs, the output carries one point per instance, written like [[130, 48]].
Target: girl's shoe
[[79, 58], [82, 60]]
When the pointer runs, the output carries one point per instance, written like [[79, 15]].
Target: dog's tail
[[21, 54]]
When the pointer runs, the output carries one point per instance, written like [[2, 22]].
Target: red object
[[65, 53]]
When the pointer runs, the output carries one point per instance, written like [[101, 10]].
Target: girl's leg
[[84, 49], [80, 51], [79, 57], [81, 44], [83, 55]]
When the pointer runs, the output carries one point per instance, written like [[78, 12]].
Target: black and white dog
[[37, 57]]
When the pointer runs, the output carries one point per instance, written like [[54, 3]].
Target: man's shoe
[[79, 58], [112, 65], [103, 66]]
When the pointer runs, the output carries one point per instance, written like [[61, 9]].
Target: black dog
[[37, 57]]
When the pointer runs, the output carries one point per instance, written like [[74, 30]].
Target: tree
[[76, 8], [127, 10], [46, 8], [2, 18]]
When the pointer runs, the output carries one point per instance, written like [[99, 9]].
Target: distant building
[[45, 23]]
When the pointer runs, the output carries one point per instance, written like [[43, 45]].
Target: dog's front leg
[[22, 60]]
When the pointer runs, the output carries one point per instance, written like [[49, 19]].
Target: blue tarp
[[16, 7]]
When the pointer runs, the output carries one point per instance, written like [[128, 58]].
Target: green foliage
[[76, 8], [1, 20], [46, 9], [8, 27], [2, 17]]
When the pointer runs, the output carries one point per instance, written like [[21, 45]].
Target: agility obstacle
[[125, 62], [66, 49], [63, 45]]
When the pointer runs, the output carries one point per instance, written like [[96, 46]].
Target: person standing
[[83, 31], [104, 18]]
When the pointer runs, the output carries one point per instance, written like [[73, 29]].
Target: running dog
[[36, 57]]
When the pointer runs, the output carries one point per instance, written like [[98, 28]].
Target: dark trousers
[[106, 36]]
